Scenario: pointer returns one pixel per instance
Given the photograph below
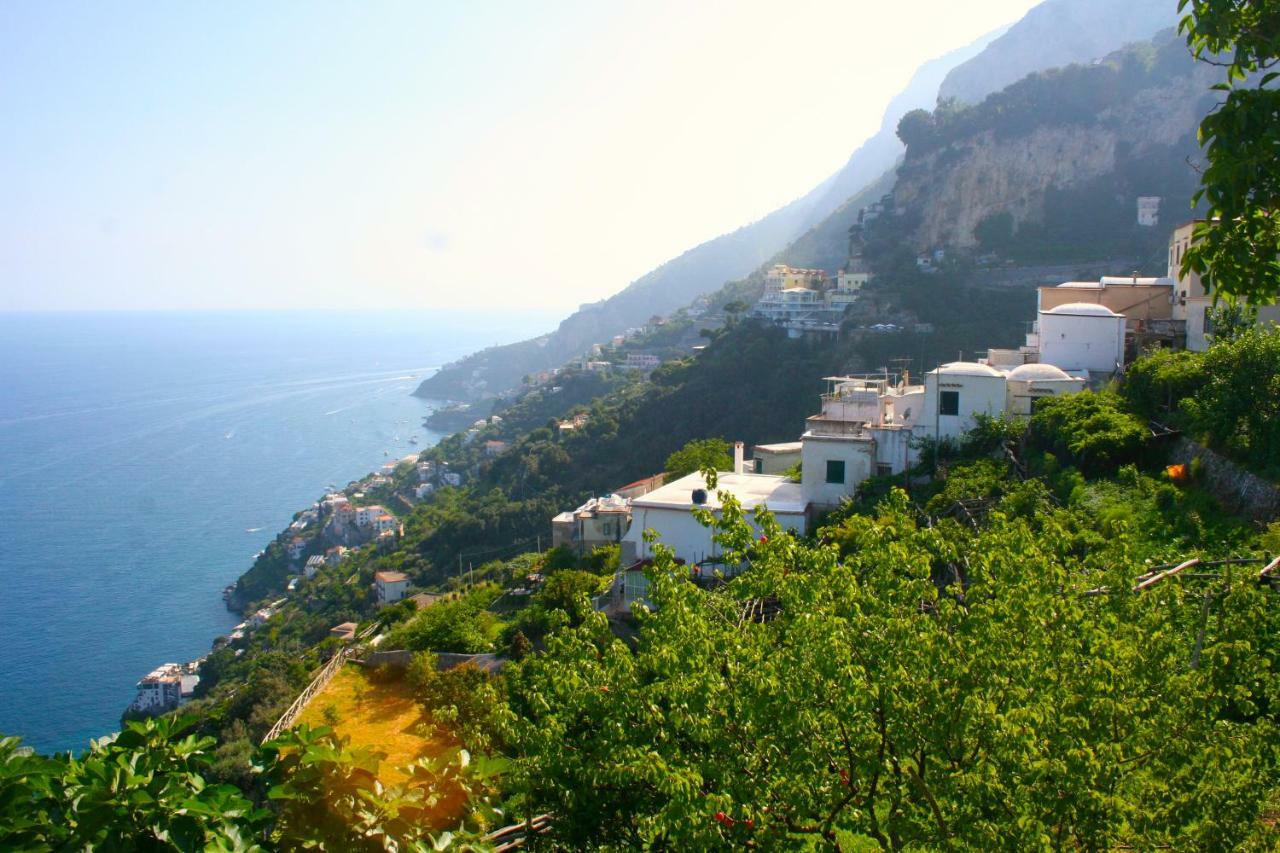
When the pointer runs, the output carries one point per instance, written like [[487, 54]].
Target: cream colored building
[[1191, 303]]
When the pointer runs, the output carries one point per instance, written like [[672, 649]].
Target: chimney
[[738, 454]]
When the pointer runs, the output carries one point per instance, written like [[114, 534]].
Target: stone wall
[[1241, 492]]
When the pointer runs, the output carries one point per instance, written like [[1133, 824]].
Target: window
[[949, 403], [1208, 320], [883, 470], [835, 471]]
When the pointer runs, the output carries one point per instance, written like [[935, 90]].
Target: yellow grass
[[381, 716]]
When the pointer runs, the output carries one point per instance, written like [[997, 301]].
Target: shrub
[[1090, 428]]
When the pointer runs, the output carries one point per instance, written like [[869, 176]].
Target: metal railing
[[322, 679]]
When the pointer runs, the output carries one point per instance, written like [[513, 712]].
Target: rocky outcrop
[[958, 187], [949, 190]]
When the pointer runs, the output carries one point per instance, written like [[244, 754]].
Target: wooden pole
[[1269, 568], [1168, 573]]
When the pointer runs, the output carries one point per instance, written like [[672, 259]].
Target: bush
[[1090, 428]]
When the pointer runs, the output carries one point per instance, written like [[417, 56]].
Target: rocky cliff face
[[960, 186], [949, 190]]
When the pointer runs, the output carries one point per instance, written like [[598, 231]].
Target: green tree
[[1237, 250], [698, 454], [878, 708]]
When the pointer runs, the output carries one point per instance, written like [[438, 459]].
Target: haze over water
[[146, 457]]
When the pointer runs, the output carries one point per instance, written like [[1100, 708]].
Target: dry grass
[[381, 716]]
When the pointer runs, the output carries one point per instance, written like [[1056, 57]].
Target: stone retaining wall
[[1241, 492]]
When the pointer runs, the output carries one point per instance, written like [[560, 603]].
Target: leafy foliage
[[1228, 397], [879, 708], [1093, 429], [1237, 249], [698, 454], [457, 625]]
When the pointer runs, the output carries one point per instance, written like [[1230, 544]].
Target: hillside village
[[1020, 599]]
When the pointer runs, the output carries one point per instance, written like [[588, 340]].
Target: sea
[[145, 458]]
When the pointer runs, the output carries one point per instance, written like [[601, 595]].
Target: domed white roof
[[969, 368], [1032, 372], [1089, 308]]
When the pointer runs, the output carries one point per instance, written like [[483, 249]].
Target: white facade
[[390, 586], [954, 394], [642, 361], [1030, 382], [669, 512], [160, 690], [1082, 336], [775, 458], [365, 515], [832, 466], [314, 564], [1149, 210]]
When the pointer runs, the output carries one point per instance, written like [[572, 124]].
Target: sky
[[412, 154]]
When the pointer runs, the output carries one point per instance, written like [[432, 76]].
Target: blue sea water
[[146, 457]]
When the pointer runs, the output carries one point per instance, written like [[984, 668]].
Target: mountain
[[1050, 168], [812, 229], [706, 267], [1053, 34]]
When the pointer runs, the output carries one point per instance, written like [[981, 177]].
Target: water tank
[[699, 496]]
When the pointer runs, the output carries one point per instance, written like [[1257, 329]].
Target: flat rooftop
[[751, 490], [780, 447]]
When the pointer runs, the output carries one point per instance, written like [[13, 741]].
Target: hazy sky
[[254, 155]]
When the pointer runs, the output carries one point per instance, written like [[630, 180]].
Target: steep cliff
[[1078, 143]]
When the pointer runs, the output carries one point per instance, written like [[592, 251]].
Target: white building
[[296, 547], [792, 303], [365, 515], [161, 689], [599, 521], [642, 361], [314, 564], [1028, 383], [1148, 210], [1191, 303], [955, 394], [1082, 336], [385, 523], [668, 511], [390, 586], [775, 458]]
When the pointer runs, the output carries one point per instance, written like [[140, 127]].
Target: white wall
[[978, 395], [680, 531], [1021, 394], [1082, 342], [858, 455], [893, 448]]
